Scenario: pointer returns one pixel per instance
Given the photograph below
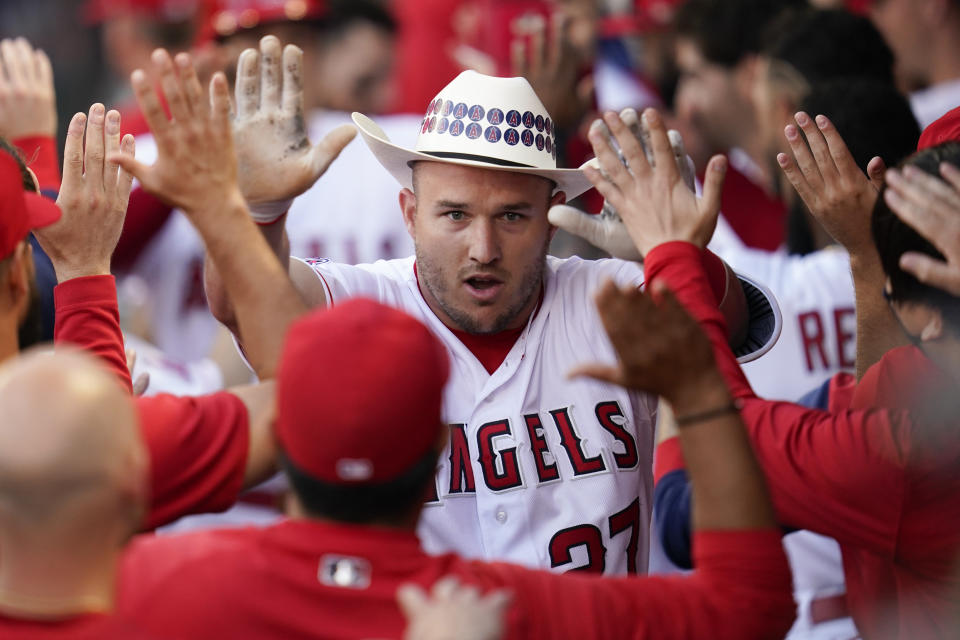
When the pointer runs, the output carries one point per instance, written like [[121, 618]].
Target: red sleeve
[[87, 316], [840, 474], [145, 216], [40, 153], [198, 453], [741, 589]]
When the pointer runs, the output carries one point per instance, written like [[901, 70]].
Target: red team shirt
[[883, 483]]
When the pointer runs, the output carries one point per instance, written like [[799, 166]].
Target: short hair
[[726, 31], [825, 44], [16, 154], [873, 117], [893, 238], [363, 504]]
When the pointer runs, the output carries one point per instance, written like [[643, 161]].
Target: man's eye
[[510, 216], [456, 216]]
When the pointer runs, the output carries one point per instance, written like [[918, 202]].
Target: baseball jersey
[[540, 470], [816, 297], [311, 579], [333, 218]]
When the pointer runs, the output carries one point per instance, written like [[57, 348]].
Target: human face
[[481, 238], [353, 72], [709, 99], [902, 24]]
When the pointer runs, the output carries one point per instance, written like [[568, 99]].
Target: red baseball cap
[[226, 17], [359, 393], [946, 128], [20, 210], [169, 11]]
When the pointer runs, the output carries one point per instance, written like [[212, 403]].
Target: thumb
[[713, 184], [601, 372], [875, 170], [330, 147], [572, 220], [131, 165]]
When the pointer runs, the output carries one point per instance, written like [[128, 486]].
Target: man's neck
[[9, 340]]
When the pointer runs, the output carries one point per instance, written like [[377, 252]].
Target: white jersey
[[815, 294], [540, 470], [334, 218]]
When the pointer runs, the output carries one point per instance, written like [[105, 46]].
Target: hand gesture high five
[[275, 159]]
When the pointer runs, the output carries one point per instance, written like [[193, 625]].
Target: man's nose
[[484, 244]]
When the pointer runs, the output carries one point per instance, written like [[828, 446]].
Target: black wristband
[[709, 414]]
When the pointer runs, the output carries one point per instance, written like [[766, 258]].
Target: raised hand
[[661, 349], [654, 200], [838, 194], [28, 105], [453, 611], [932, 207], [607, 230], [275, 158], [93, 196]]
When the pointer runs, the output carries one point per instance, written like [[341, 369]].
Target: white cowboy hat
[[480, 121]]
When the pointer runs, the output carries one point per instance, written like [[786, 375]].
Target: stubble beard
[[431, 277]]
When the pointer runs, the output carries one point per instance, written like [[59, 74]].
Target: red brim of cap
[[41, 211]]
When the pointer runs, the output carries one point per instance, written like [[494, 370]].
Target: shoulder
[[383, 280], [571, 272]]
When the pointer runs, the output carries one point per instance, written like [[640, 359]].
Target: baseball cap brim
[[398, 161], [764, 320], [41, 211]]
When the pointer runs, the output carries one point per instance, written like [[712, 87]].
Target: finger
[[713, 184], [248, 83], [444, 587], [559, 25], [73, 154], [518, 57], [220, 107], [537, 47], [137, 169], [933, 187], [411, 598], [499, 599], [193, 90], [935, 273], [293, 80], [951, 174], [629, 145], [11, 64], [680, 158], [609, 160], [270, 73], [818, 147], [172, 85], [131, 355], [28, 68], [330, 147], [111, 148], [94, 154], [600, 372], [43, 69], [125, 178], [150, 106], [875, 170], [141, 383], [610, 192], [842, 158], [929, 224], [914, 200], [572, 220], [797, 179]]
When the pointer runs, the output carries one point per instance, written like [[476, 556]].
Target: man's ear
[[558, 198], [408, 207], [933, 329], [16, 282]]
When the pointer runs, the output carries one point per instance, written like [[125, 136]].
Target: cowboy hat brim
[[399, 161], [764, 320]]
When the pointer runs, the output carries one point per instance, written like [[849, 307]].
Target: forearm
[[877, 328], [252, 280]]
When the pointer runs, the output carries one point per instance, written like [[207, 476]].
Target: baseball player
[[540, 470]]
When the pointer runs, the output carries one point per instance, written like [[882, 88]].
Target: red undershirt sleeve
[[838, 474], [198, 453], [146, 215], [742, 589], [87, 316], [40, 154]]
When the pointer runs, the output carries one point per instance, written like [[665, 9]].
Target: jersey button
[[501, 516]]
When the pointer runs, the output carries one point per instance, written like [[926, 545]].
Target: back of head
[[893, 238], [822, 45], [70, 449], [359, 396], [727, 30]]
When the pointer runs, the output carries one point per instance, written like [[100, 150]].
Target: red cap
[[20, 211], [359, 393], [647, 16], [226, 17], [96, 11], [944, 129]]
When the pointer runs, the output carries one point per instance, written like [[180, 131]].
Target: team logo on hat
[[539, 123], [511, 137], [433, 124], [436, 107], [526, 137], [494, 116], [474, 131], [548, 126], [460, 110], [539, 142], [513, 118], [423, 126], [549, 144], [442, 125], [430, 107], [476, 113], [528, 119], [492, 134], [456, 127], [447, 107]]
